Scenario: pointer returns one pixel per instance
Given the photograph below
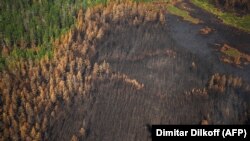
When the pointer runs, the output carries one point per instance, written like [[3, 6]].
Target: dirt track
[[160, 57]]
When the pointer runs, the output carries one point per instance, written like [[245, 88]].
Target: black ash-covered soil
[[161, 57]]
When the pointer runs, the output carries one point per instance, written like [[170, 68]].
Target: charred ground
[[175, 90]]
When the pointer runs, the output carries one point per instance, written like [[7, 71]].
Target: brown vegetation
[[204, 122], [128, 80], [220, 82], [206, 30], [197, 91], [234, 56], [31, 91], [74, 138]]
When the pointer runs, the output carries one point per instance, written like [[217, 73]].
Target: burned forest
[[107, 70]]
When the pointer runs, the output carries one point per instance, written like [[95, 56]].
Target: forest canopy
[[29, 24], [242, 6], [34, 22]]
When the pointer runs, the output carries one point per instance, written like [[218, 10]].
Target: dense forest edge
[[28, 29]]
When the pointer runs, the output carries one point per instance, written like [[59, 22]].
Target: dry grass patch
[[206, 30], [234, 56], [127, 79]]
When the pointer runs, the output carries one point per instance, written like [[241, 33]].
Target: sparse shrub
[[82, 132], [95, 69], [23, 131], [38, 136], [162, 18], [128, 80], [53, 97], [219, 82], [204, 122], [223, 81], [33, 133], [74, 138]]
